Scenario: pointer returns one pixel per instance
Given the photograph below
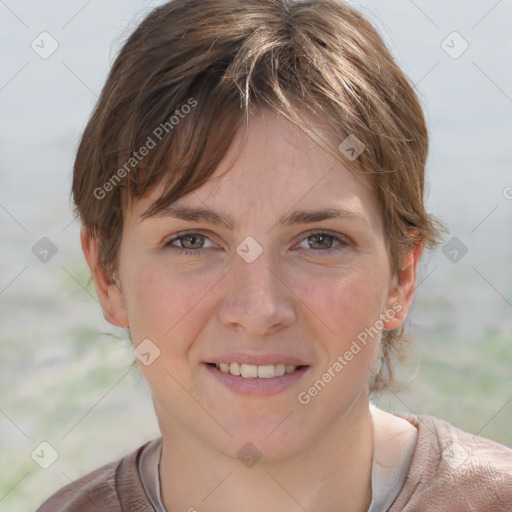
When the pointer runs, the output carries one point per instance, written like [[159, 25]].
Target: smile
[[250, 379], [251, 371]]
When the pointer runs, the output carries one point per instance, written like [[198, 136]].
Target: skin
[[300, 296]]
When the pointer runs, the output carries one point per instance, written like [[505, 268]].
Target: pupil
[[192, 238], [321, 237]]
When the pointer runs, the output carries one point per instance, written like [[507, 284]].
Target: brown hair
[[193, 69]]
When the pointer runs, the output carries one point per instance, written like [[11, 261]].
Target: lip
[[256, 386], [259, 360]]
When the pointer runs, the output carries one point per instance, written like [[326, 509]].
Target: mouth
[[253, 371], [261, 380]]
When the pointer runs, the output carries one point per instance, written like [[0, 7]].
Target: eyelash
[[342, 242]]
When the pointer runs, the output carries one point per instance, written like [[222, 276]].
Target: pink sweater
[[450, 471]]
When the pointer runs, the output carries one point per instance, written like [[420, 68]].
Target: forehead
[[271, 168]]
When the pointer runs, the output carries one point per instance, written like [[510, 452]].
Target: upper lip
[[258, 360]]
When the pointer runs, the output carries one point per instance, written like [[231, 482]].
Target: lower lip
[[257, 386]]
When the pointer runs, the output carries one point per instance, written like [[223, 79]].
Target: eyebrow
[[289, 219]]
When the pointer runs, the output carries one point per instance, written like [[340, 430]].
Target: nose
[[257, 300]]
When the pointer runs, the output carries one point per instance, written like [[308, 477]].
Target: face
[[275, 287]]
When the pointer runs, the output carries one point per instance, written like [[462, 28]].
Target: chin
[[268, 438]]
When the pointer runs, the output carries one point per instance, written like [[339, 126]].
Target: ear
[[401, 295], [109, 292]]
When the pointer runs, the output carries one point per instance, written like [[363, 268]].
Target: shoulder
[[455, 470], [109, 489]]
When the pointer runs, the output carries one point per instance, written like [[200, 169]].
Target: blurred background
[[65, 374]]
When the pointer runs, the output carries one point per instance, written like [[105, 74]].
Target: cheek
[[345, 302], [163, 301]]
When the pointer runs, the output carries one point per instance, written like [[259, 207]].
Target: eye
[[191, 243], [322, 241]]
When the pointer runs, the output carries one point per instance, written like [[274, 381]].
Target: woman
[[250, 187]]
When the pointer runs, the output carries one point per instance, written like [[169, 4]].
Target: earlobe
[[401, 296], [108, 290]]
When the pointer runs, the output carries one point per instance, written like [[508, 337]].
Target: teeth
[[251, 371], [233, 368]]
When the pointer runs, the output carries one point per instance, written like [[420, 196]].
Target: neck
[[333, 473]]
